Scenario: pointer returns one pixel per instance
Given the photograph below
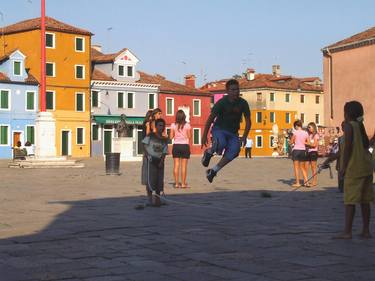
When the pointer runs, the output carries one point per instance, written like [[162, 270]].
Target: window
[[130, 71], [272, 117], [287, 97], [80, 102], [95, 132], [302, 98], [259, 96], [4, 135], [17, 68], [259, 141], [80, 72], [50, 69], [4, 99], [95, 99], [259, 117], [302, 118], [80, 136], [196, 107], [30, 134], [287, 118], [30, 100], [130, 100], [50, 40], [317, 99], [317, 118], [120, 99], [170, 106], [80, 44], [272, 97], [196, 136], [50, 100], [151, 101], [272, 138], [121, 71]]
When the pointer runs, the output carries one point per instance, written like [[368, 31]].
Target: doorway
[[107, 141], [17, 136], [65, 143], [139, 141]]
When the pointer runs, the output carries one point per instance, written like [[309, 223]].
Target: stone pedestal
[[127, 147], [45, 130]]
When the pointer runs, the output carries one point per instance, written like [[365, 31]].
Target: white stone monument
[[45, 146]]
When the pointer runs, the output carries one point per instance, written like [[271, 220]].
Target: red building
[[174, 96]]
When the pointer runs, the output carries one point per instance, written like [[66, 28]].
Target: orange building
[[68, 69]]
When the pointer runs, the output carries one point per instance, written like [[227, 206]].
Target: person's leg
[[314, 172], [296, 172], [250, 152], [349, 216], [183, 172], [176, 170], [246, 152], [304, 167], [366, 214]]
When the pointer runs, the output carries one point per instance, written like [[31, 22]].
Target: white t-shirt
[[249, 143]]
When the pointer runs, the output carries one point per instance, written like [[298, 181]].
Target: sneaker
[[206, 158], [210, 174]]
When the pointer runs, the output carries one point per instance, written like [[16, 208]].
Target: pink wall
[[353, 78]]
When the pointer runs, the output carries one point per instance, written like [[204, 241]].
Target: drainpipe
[[330, 69]]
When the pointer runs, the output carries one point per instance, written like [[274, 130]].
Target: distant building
[[194, 102], [18, 102], [349, 72], [276, 99], [116, 90]]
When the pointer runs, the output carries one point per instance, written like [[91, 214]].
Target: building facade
[[116, 91], [68, 70], [349, 71], [18, 103]]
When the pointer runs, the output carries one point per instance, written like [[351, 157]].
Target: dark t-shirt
[[229, 114]]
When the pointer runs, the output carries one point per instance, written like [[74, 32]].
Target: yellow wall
[[64, 83], [264, 129]]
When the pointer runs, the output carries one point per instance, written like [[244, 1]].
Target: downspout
[[330, 67]]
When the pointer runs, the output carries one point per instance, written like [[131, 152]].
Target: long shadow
[[244, 235]]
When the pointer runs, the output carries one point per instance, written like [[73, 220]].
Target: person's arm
[[372, 140], [171, 133], [209, 121], [348, 147], [247, 130], [188, 133], [293, 139]]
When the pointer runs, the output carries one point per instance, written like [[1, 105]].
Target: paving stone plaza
[[79, 224]]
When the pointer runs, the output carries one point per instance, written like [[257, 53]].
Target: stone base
[[45, 137], [127, 147]]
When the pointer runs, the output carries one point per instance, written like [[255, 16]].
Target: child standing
[[299, 156], [226, 116], [356, 170], [155, 149], [312, 144]]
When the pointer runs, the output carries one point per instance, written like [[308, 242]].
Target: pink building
[[349, 74]]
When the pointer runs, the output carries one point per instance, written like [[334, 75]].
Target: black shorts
[[313, 156], [299, 155], [181, 151]]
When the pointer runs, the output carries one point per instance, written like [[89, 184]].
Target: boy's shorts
[[228, 142], [358, 190], [155, 175]]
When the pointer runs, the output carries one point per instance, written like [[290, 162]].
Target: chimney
[[250, 74], [276, 71], [97, 47], [190, 80]]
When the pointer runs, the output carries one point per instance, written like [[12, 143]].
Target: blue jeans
[[228, 142]]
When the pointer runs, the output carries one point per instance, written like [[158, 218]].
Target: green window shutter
[[79, 102], [17, 68], [4, 100], [169, 106], [196, 136], [121, 70], [49, 100], [49, 40], [95, 132], [94, 99], [130, 71], [49, 69], [130, 100], [30, 101], [120, 100], [79, 135], [79, 71], [79, 44], [30, 132], [151, 103], [3, 134], [196, 107]]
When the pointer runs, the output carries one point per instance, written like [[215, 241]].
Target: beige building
[[349, 72]]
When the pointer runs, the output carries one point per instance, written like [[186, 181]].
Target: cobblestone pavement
[[78, 224]]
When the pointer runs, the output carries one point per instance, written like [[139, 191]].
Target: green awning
[[113, 119]]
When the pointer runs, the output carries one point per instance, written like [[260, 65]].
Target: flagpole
[[43, 56]]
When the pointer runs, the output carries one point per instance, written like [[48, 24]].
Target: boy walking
[[226, 116], [155, 149]]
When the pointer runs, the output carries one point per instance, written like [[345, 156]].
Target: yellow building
[[68, 71]]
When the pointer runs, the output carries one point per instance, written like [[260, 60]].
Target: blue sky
[[213, 39]]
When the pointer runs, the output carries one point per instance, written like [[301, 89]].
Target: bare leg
[[176, 170], [183, 172], [304, 166], [313, 170], [296, 172], [349, 216], [366, 214]]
